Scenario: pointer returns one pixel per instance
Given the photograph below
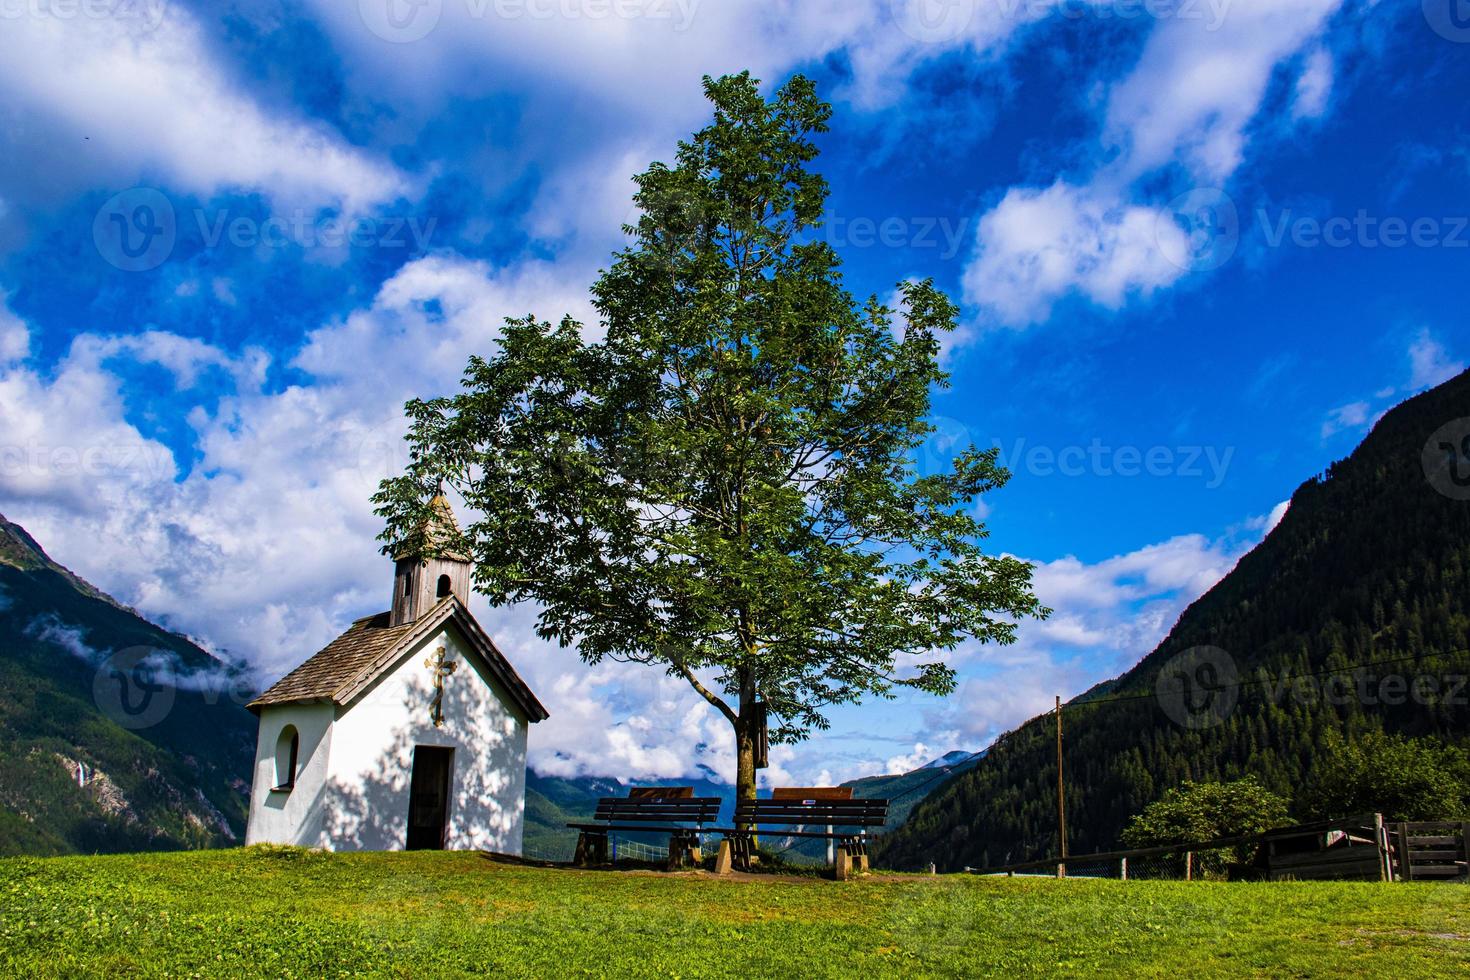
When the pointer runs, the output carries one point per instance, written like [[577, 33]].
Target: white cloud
[[1353, 415], [1181, 112], [15, 338], [1430, 363], [1313, 86], [1038, 245], [127, 96]]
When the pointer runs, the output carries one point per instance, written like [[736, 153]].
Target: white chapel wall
[[366, 799], [294, 817]]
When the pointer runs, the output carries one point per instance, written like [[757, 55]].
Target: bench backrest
[[660, 792], [812, 810], [658, 809]]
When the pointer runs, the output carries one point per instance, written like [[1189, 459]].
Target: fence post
[[1465, 848], [1123, 869], [1188, 865], [1380, 841], [1405, 862], [1061, 870]]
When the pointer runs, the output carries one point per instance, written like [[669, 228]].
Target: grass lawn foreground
[[287, 913]]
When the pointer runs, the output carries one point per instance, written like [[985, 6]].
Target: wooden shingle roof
[[344, 668]]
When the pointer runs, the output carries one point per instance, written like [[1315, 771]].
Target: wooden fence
[[1361, 848], [1430, 851]]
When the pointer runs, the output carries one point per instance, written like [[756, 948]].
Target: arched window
[[288, 748], [444, 587]]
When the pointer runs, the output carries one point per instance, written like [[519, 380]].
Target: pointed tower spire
[[431, 565]]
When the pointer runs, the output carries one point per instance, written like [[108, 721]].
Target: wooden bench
[[843, 819], [674, 810]]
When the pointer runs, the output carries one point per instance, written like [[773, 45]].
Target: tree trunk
[[744, 760], [745, 741]]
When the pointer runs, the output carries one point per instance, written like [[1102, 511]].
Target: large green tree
[[727, 486]]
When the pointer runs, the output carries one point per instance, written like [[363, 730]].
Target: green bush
[[1194, 813], [1401, 778]]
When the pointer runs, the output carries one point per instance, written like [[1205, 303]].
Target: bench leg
[[682, 850], [723, 858], [842, 866]]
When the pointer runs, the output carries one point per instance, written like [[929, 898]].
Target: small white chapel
[[406, 732]]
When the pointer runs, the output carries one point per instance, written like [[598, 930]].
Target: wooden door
[[428, 803]]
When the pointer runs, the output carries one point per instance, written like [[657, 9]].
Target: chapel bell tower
[[420, 581]]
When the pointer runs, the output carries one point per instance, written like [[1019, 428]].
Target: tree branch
[[706, 693]]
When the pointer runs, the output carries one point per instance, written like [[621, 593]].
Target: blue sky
[[1199, 247]]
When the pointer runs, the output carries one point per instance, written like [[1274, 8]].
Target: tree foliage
[[1197, 813], [725, 486], [1401, 778]]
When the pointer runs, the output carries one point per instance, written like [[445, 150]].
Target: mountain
[[1371, 563], [115, 734]]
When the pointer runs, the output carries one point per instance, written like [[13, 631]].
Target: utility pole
[[1061, 797]]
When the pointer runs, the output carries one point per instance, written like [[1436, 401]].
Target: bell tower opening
[[444, 588]]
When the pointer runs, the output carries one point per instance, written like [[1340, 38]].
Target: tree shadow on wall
[[371, 813]]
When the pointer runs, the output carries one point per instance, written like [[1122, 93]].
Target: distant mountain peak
[[21, 551]]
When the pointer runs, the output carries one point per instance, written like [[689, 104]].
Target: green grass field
[[293, 914]]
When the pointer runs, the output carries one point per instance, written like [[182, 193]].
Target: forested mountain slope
[[1371, 563]]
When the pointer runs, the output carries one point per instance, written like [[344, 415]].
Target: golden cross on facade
[[441, 669]]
